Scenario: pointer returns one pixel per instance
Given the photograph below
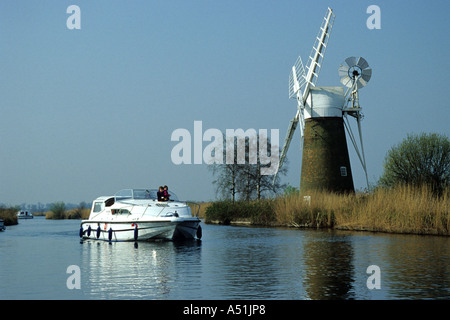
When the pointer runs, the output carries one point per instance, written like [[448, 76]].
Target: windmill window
[[343, 171]]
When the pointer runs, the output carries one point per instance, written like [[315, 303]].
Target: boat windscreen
[[124, 194], [144, 194], [141, 194]]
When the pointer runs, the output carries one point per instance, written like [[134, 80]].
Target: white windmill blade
[[317, 53], [343, 75], [362, 63], [366, 74], [287, 141], [351, 61], [296, 86], [296, 78]]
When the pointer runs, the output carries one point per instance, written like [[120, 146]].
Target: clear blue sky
[[88, 112]]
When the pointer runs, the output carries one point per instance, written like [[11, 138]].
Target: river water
[[39, 260]]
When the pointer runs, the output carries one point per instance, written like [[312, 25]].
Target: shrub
[[419, 160], [57, 211], [256, 212], [9, 215]]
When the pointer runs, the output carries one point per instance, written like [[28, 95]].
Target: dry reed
[[9, 216], [403, 209], [76, 213]]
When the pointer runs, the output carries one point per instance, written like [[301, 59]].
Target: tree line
[[419, 159], [243, 181]]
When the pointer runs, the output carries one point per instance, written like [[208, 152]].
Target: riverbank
[[9, 216], [400, 210], [76, 213]]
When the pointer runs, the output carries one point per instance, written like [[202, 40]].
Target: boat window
[[120, 211], [98, 206], [109, 202]]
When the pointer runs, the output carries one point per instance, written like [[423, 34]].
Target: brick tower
[[325, 162]]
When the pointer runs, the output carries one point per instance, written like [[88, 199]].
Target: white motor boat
[[24, 215], [136, 214]]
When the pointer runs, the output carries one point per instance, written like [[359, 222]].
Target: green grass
[[255, 212]]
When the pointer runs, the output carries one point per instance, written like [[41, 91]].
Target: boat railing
[[195, 207]]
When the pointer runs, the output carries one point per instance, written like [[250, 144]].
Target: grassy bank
[[251, 212], [400, 210], [68, 214], [9, 216]]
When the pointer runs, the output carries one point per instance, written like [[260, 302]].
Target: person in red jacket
[[166, 193]]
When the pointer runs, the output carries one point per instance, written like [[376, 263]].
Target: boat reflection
[[149, 271]]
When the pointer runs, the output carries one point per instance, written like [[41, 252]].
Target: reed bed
[[9, 216], [76, 213], [403, 209]]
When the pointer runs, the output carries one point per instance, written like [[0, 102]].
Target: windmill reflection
[[329, 272]]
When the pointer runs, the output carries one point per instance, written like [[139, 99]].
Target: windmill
[[322, 113]]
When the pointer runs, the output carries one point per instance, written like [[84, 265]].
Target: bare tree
[[246, 179]]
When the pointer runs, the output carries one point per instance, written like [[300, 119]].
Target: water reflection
[[418, 267], [229, 263], [281, 264], [269, 263], [249, 265], [329, 268], [121, 271]]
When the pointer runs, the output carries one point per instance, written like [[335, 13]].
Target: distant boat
[[24, 215], [2, 225]]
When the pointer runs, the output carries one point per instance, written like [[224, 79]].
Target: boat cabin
[[134, 197], [23, 214]]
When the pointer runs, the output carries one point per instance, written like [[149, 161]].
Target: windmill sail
[[300, 81], [318, 51]]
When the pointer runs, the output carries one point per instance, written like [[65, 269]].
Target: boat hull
[[166, 229]]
